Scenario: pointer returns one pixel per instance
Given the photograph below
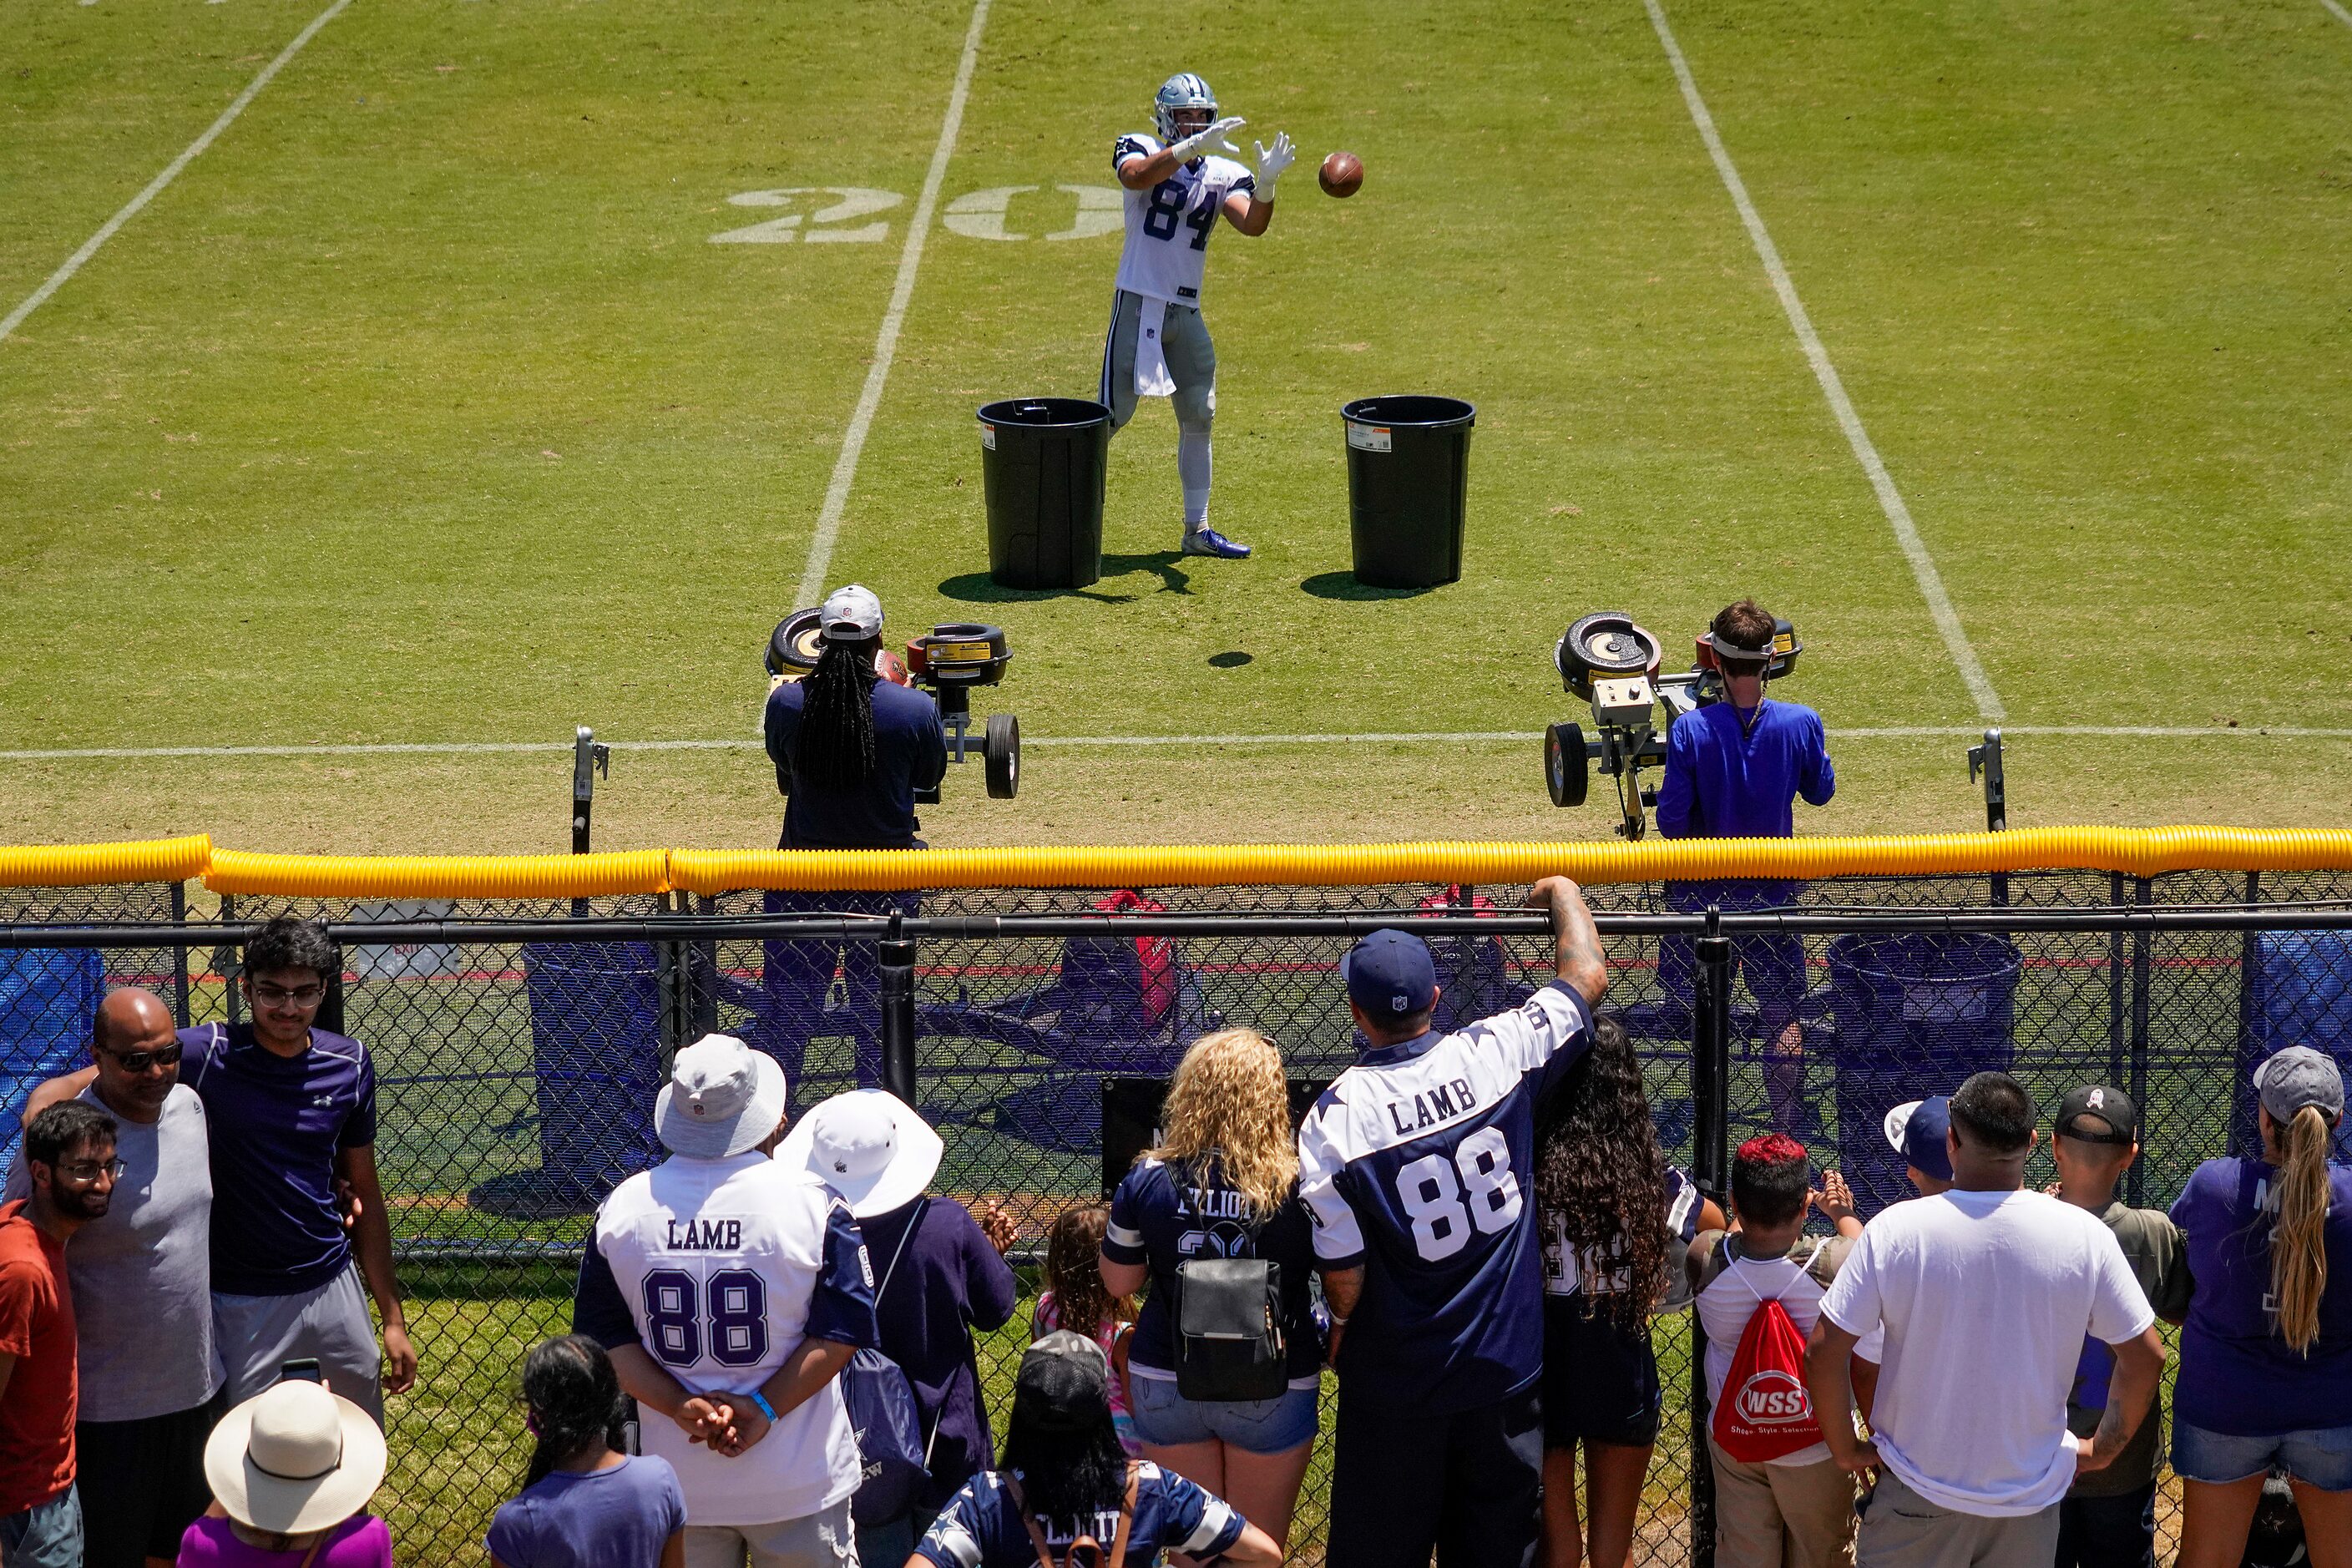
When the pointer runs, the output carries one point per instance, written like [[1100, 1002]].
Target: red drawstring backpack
[[1155, 957], [1764, 1412]]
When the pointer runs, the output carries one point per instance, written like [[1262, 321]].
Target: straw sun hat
[[294, 1458]]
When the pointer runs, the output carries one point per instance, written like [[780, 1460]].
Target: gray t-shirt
[[142, 1276]]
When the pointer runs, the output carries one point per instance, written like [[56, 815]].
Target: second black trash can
[[1041, 462], [1408, 481]]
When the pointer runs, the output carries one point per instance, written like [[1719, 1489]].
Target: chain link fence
[[517, 1075]]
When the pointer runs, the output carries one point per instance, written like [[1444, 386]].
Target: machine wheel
[[1568, 770], [1001, 756]]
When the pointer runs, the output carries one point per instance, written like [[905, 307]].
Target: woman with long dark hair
[[1617, 1222], [585, 1503], [1224, 1182], [1066, 1481], [852, 742], [2266, 1352]]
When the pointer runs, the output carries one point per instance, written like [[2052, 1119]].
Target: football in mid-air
[[1340, 175]]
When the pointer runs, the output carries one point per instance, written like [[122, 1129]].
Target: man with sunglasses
[[141, 1278], [69, 1156], [290, 1110]]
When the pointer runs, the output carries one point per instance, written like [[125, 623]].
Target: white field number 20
[[1443, 1207], [834, 214]]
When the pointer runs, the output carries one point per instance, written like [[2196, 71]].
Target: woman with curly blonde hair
[[1224, 1182]]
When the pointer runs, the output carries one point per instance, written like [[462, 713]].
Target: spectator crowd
[[774, 1358]]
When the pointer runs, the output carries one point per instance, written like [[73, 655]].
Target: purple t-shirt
[[360, 1542], [2237, 1376], [949, 1281], [619, 1518], [276, 1124]]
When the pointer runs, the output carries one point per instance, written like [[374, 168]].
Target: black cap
[[1063, 1384], [2099, 1113]]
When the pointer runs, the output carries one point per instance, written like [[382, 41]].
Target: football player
[[1159, 347]]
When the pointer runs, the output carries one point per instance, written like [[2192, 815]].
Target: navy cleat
[[1206, 540]]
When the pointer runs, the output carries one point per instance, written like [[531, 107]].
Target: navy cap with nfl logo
[[1390, 974]]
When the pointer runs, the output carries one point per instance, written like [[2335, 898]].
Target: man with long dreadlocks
[[852, 742]]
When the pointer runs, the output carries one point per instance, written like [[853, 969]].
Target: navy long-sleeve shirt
[[1725, 781], [910, 753], [949, 1281]]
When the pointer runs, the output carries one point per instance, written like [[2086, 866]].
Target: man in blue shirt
[[1734, 770], [852, 742], [1416, 1166]]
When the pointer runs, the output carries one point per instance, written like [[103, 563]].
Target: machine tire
[[1568, 770], [1001, 756]]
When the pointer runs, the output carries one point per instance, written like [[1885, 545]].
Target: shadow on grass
[[1343, 586], [979, 588]]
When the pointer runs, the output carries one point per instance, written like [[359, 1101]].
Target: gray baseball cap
[[2296, 1077]]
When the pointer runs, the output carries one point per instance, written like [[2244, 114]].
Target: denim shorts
[[1166, 1419], [2318, 1456]]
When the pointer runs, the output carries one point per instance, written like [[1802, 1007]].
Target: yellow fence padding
[[84, 865], [2134, 851], [440, 876]]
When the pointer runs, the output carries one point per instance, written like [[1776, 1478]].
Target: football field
[[488, 371]]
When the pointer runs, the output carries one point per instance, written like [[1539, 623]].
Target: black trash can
[[1408, 481], [1917, 1013], [1042, 462]]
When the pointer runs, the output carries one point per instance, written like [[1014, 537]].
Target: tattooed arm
[[1578, 959]]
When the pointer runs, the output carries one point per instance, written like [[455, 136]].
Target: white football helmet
[[1183, 92]]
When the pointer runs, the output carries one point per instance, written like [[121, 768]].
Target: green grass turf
[[420, 409]]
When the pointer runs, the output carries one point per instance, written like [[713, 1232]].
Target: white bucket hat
[[294, 1458], [722, 1097], [870, 1146]]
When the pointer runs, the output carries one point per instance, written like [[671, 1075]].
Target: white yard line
[[1409, 737], [1890, 499], [89, 247], [886, 343], [2341, 14]]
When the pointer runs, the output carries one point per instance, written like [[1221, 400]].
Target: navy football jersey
[[1417, 1163], [1582, 1274], [981, 1528], [1154, 1220]]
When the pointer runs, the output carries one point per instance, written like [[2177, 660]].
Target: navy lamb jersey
[[1416, 1164]]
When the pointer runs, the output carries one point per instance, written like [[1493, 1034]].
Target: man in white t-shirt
[[731, 1292], [1984, 1294]]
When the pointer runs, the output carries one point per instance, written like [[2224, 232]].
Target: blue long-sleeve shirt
[[910, 753], [1724, 781]]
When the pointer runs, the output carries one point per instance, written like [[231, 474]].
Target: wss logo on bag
[[1773, 1397]]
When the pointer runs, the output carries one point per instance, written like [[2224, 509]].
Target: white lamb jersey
[[719, 1261], [1167, 226]]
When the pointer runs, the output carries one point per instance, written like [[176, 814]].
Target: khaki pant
[[823, 1539], [1903, 1530], [1782, 1516]]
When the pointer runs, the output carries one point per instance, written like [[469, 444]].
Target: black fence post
[[2116, 977], [180, 959], [2241, 1058], [898, 967], [228, 958], [2144, 894], [1710, 1167]]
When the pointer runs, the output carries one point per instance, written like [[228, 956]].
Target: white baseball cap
[[722, 1097], [870, 1146], [851, 615]]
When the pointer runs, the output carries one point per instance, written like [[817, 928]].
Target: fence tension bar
[[896, 958], [1710, 1165]]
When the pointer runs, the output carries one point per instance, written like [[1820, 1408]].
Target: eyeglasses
[[139, 1061], [83, 1174], [279, 996]]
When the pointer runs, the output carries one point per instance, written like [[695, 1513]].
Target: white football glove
[[1271, 161], [1216, 136]]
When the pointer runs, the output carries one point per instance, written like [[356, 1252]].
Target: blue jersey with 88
[[1419, 1163]]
